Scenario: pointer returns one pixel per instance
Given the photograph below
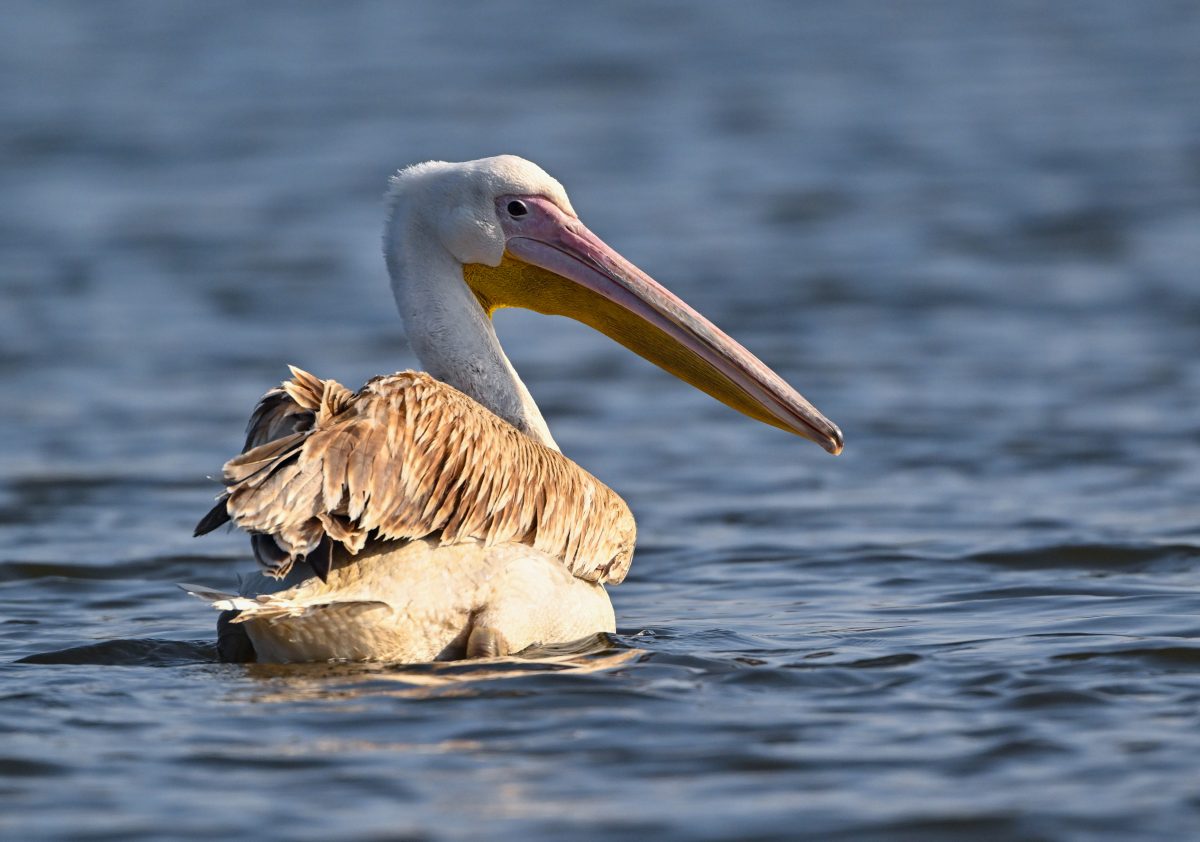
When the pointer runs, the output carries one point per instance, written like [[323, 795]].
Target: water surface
[[969, 232]]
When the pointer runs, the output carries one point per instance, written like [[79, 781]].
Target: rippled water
[[970, 232]]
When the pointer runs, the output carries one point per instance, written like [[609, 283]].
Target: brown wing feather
[[410, 457]]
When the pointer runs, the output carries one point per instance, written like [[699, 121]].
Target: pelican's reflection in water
[[289, 683]]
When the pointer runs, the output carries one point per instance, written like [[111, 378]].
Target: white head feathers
[[456, 203]]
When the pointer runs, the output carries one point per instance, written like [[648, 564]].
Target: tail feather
[[219, 599], [275, 606]]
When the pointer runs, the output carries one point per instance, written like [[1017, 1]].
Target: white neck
[[450, 333]]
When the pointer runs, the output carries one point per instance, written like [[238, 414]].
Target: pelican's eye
[[517, 208]]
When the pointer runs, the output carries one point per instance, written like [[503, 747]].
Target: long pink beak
[[557, 242]]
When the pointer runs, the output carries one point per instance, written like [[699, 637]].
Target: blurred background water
[[968, 231]]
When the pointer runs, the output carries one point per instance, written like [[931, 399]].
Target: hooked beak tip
[[830, 441], [836, 445]]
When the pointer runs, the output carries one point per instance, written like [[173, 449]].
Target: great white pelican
[[430, 515]]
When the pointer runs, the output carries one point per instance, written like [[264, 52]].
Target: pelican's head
[[511, 227]]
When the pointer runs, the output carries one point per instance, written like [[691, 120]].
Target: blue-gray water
[[969, 232]]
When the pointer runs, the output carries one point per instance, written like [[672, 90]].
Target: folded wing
[[409, 457]]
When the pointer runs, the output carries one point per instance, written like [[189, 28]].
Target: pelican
[[430, 515]]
